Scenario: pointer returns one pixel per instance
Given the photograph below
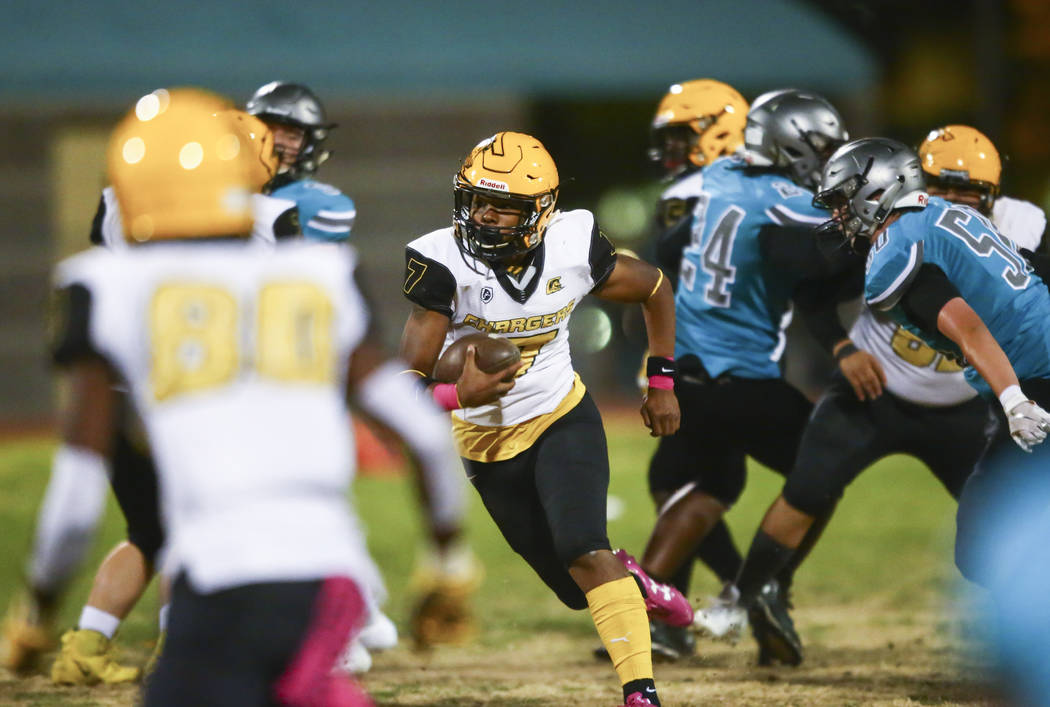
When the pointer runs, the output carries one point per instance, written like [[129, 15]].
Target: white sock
[[98, 620], [162, 617]]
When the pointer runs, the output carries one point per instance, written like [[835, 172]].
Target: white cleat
[[379, 634], [723, 620], [355, 659]]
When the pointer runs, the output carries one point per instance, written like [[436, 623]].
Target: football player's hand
[[864, 373], [1029, 424], [444, 586], [475, 387], [660, 412]]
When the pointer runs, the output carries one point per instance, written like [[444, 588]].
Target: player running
[[534, 447]]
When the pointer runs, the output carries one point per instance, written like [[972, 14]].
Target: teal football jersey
[[986, 269], [732, 306], [325, 213]]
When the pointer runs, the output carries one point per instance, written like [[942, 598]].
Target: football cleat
[[724, 619], [355, 659], [86, 658], [25, 635], [637, 699], [773, 629], [380, 633], [671, 643], [663, 601]]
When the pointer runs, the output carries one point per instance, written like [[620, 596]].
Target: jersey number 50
[[197, 333], [955, 222]]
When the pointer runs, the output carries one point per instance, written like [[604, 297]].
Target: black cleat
[[773, 629], [671, 643]]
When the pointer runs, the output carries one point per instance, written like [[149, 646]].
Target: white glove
[[1029, 423]]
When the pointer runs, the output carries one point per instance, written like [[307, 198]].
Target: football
[[491, 353]]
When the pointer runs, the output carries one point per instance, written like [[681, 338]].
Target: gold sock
[[618, 611]]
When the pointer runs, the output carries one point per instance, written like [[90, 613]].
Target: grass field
[[874, 601]]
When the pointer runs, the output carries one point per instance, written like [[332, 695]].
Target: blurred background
[[414, 85]]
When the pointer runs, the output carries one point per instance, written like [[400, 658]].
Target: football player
[[300, 128], [240, 359], [695, 123], [943, 271], [124, 574], [751, 253], [919, 404], [533, 445]]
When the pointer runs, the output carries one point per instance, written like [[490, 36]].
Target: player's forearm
[[659, 319], [962, 325], [394, 400]]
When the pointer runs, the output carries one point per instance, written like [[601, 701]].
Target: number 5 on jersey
[[196, 332]]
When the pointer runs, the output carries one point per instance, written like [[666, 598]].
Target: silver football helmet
[[864, 181], [296, 105], [794, 130]]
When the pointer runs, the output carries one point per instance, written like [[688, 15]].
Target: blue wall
[[105, 50]]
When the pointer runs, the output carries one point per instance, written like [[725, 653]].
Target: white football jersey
[[108, 228], [235, 354], [532, 311], [1021, 221], [686, 187], [916, 372]]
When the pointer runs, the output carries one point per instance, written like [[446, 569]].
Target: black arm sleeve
[[818, 299], [671, 242], [1040, 263], [925, 298], [287, 224], [793, 249], [602, 258], [428, 283], [96, 223], [71, 326]]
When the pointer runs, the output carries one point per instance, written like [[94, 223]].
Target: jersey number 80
[[196, 334]]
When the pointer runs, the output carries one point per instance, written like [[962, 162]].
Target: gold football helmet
[[695, 123], [182, 167], [259, 139], [961, 158], [514, 171]]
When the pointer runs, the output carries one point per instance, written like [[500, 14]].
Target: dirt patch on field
[[855, 656]]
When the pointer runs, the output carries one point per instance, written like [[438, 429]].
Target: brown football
[[492, 353]]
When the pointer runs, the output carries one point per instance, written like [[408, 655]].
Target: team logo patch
[[486, 294], [553, 285]]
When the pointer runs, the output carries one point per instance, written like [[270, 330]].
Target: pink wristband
[[661, 382], [446, 396]]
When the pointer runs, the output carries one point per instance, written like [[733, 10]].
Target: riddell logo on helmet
[[490, 184], [923, 200]]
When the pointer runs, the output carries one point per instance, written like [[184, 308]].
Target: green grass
[[889, 543]]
